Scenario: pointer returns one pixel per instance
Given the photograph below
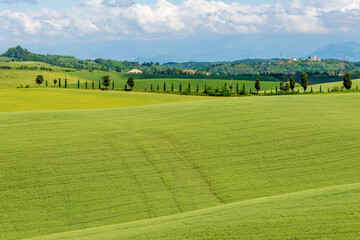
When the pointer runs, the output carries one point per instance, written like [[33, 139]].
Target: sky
[[178, 30]]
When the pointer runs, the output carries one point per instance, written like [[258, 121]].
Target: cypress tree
[[180, 88], [46, 84], [357, 87], [237, 88], [93, 84], [205, 88], [243, 89], [320, 88], [113, 85], [125, 87], [276, 90], [85, 85], [197, 87], [65, 83], [164, 87], [257, 85], [189, 87], [292, 83], [311, 90], [78, 83], [59, 82], [157, 87], [347, 81], [172, 87], [304, 81], [265, 92], [328, 89], [151, 87]]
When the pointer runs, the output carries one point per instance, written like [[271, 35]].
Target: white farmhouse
[[135, 71]]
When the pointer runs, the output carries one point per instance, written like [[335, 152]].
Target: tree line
[[226, 90]]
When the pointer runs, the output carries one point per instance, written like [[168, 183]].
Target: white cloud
[[116, 19]]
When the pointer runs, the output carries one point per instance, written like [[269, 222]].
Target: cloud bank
[[110, 19]]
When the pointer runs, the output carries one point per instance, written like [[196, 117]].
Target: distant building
[[315, 59], [293, 59], [189, 72], [135, 71]]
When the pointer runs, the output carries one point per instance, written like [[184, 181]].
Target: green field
[[329, 86], [144, 81], [20, 78], [34, 99], [16, 78], [281, 167]]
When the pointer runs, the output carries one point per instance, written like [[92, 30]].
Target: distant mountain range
[[349, 51]]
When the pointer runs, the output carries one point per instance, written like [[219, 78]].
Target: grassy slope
[[143, 81], [326, 86], [327, 213], [13, 78], [71, 170], [12, 100]]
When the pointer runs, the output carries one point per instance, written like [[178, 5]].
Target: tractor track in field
[[142, 150]]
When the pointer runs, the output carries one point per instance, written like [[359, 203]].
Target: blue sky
[[177, 30]]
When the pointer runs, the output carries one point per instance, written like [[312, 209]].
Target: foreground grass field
[[327, 213], [14, 100], [64, 171]]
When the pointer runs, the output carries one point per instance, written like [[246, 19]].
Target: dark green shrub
[[284, 86], [335, 89]]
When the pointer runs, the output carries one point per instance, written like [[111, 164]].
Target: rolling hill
[[222, 168], [349, 51]]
